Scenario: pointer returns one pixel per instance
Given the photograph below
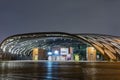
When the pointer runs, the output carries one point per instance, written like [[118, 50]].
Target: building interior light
[[56, 52], [49, 53]]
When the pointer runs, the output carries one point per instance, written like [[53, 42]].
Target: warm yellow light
[[91, 50], [36, 57], [35, 53], [76, 57], [91, 53]]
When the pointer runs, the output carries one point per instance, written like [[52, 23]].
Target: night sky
[[73, 16]]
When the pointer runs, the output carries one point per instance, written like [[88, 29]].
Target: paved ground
[[43, 70]]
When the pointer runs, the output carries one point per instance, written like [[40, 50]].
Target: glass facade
[[57, 46]]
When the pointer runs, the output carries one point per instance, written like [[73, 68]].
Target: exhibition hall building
[[60, 46]]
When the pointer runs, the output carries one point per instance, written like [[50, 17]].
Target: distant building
[[60, 46]]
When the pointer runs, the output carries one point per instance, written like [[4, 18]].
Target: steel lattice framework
[[22, 44]]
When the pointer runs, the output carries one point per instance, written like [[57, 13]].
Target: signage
[[64, 51]]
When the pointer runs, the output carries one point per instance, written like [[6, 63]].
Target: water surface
[[44, 70]]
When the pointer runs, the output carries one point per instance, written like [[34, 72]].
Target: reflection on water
[[49, 70], [43, 70]]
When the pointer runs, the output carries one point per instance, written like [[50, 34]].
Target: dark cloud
[[73, 16]]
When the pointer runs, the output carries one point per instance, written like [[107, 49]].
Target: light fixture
[[56, 52], [49, 53]]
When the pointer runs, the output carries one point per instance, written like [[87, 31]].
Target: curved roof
[[106, 44]]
